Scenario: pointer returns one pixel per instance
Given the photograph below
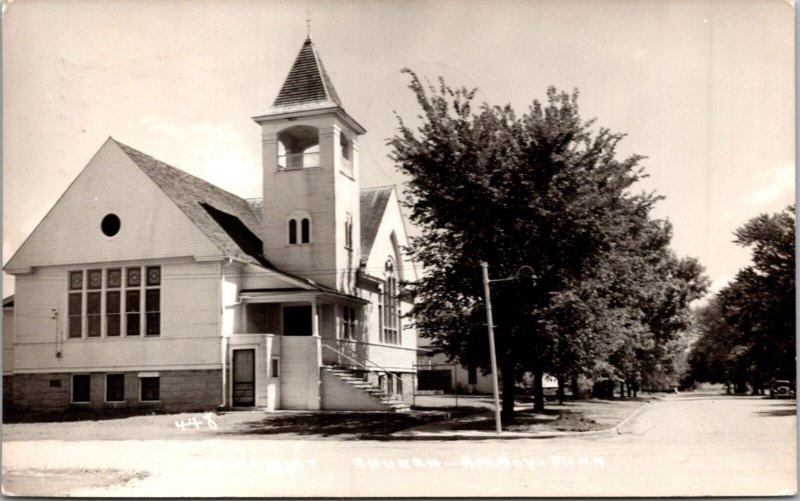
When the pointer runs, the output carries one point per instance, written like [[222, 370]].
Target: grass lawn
[[577, 416], [470, 413], [60, 482]]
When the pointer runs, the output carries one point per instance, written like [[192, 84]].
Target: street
[[690, 444]]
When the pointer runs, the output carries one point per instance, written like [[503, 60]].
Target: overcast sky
[[704, 89]]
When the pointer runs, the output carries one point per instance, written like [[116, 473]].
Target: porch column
[[315, 330], [314, 318]]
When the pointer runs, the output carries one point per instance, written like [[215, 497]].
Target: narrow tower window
[[348, 232], [299, 227]]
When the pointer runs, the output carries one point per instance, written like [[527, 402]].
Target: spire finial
[[308, 24]]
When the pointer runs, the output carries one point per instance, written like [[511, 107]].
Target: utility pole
[[492, 354]]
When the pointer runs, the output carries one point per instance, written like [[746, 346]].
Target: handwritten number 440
[[194, 422]]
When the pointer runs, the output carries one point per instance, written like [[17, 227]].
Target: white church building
[[146, 287]]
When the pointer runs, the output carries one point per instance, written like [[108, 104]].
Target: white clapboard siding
[[190, 317], [152, 226], [8, 340]]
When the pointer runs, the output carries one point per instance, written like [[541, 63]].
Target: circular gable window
[[110, 225]]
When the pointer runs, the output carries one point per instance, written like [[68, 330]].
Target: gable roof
[[226, 219], [230, 222], [307, 83], [373, 205]]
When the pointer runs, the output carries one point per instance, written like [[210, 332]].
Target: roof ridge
[[191, 194], [183, 172], [330, 90]]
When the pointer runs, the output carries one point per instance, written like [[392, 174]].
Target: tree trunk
[[575, 389], [509, 384], [622, 389], [538, 390], [561, 390]]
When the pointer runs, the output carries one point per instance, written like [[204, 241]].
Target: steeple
[[307, 86], [310, 212]]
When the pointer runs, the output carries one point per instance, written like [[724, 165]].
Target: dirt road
[[685, 445]]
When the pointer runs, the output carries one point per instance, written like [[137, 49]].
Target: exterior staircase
[[343, 389]]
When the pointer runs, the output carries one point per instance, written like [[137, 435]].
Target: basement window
[[80, 388], [115, 387], [149, 389]]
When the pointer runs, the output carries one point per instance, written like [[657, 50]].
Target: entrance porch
[[276, 361]]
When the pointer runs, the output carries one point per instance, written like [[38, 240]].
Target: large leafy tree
[[717, 355], [544, 190], [748, 331]]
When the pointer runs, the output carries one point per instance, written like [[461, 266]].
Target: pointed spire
[[307, 85]]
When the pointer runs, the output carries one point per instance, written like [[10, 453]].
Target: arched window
[[388, 307], [348, 232], [298, 148], [347, 147], [299, 228]]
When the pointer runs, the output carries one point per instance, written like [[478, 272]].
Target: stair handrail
[[362, 365]]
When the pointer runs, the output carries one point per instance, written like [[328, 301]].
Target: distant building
[[435, 373], [146, 287]]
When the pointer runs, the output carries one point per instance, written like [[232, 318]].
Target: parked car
[[782, 388]]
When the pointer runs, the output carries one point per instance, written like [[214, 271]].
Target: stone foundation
[[8, 392], [180, 391]]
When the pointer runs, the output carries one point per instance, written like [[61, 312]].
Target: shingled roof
[[307, 84], [226, 219], [373, 205]]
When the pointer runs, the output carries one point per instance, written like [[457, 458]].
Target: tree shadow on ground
[[713, 396], [780, 411], [605, 401], [529, 421], [329, 424]]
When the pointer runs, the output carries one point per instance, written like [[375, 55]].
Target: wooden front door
[[244, 378]]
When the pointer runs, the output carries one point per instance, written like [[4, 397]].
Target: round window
[[110, 225]]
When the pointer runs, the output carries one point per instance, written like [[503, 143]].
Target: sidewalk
[[608, 418]]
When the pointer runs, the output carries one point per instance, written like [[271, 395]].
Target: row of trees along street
[[608, 297], [747, 330]]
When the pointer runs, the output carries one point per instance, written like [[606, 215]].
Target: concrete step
[[389, 401]]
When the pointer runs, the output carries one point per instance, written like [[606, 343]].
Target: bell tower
[[311, 220]]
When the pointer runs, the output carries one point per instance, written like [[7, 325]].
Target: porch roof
[[299, 295]]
